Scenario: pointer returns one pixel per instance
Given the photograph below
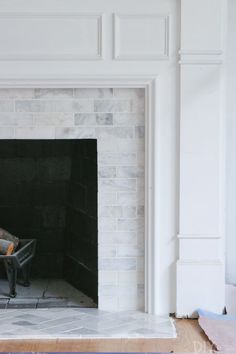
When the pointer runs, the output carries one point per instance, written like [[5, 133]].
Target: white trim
[[152, 241], [153, 290], [215, 262], [200, 52], [94, 81], [201, 62], [116, 37], [57, 15], [201, 57], [198, 236]]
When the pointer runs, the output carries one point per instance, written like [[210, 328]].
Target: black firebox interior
[[48, 191]]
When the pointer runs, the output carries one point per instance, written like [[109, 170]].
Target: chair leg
[[26, 275], [11, 275]]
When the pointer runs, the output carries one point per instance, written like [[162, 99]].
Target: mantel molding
[[201, 57], [153, 289], [80, 81], [198, 237]]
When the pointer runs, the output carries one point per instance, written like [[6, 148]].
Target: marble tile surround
[[115, 117]]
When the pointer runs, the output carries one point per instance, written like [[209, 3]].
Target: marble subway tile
[[16, 93], [129, 211], [54, 105], [24, 119], [107, 290], [118, 237], [117, 264], [141, 184], [93, 119], [130, 302], [112, 106], [107, 277], [107, 251], [35, 132], [74, 133], [16, 119], [141, 288], [111, 211], [115, 132], [118, 145], [130, 171], [141, 157], [107, 171], [130, 224], [138, 105], [139, 132], [140, 263], [85, 119], [56, 119], [129, 277], [116, 158], [7, 133], [140, 237], [137, 96], [140, 194], [54, 93], [104, 118], [107, 198], [97, 114], [120, 184], [140, 210], [108, 303], [130, 198], [129, 92], [129, 250], [106, 224], [93, 92], [6, 105], [8, 119], [127, 289], [128, 119], [118, 211]]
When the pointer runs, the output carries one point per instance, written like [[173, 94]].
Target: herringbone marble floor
[[82, 323]]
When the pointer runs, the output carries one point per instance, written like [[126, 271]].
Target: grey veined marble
[[83, 323], [115, 118]]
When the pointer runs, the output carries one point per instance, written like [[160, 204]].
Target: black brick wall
[[81, 220], [48, 191]]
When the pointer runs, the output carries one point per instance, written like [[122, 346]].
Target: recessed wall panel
[[39, 36]]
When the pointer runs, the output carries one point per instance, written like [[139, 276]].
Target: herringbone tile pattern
[[82, 323]]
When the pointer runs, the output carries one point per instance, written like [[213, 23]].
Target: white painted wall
[[231, 145]]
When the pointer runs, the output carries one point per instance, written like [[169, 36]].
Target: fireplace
[[49, 192], [92, 124], [65, 91]]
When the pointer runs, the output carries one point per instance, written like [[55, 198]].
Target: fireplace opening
[[48, 192]]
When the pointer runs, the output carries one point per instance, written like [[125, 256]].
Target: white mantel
[[135, 43]]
